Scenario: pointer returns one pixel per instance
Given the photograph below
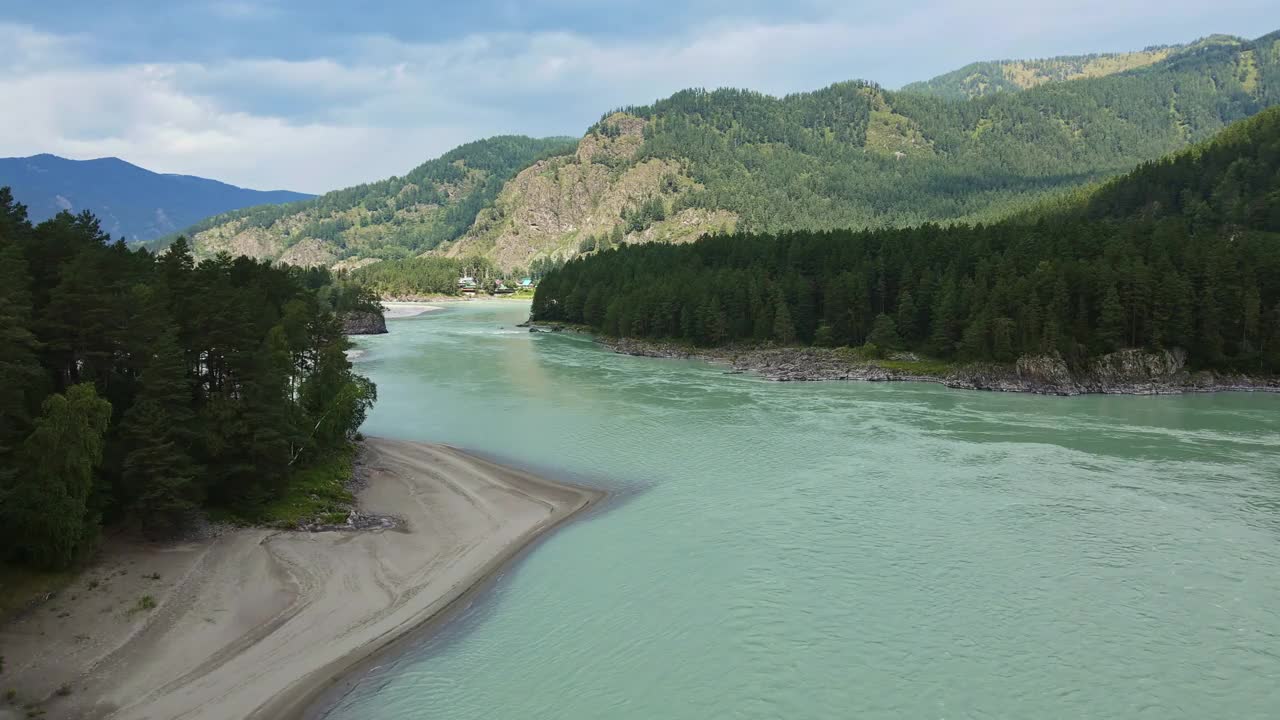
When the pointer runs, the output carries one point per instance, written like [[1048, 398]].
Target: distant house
[[526, 283], [466, 281]]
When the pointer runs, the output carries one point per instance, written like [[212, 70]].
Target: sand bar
[[255, 623], [393, 309]]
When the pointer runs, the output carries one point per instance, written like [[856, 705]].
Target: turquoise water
[[839, 550]]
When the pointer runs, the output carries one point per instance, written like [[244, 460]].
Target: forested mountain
[[137, 388], [129, 202], [852, 155], [397, 217], [985, 78], [1180, 253]]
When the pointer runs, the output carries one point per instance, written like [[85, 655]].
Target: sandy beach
[[255, 623], [393, 309]]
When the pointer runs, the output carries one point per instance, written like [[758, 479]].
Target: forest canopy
[[1183, 252], [139, 388]]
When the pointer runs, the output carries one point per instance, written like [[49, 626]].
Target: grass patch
[[936, 368], [20, 587], [145, 603], [867, 355], [315, 492], [334, 518]]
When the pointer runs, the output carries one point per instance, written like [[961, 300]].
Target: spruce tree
[[1110, 333], [21, 378], [884, 333], [906, 316], [162, 483], [784, 332], [1002, 342]]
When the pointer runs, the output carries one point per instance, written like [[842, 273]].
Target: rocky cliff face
[[236, 239], [548, 209], [364, 323], [309, 253]]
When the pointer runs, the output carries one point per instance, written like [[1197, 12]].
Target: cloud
[[323, 123], [242, 9], [344, 107]]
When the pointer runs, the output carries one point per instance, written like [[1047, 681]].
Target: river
[[838, 550]]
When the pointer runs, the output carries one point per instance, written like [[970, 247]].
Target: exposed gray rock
[[364, 323], [355, 521], [1130, 372]]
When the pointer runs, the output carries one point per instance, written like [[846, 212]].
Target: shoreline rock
[[1125, 372], [555, 327], [363, 323]]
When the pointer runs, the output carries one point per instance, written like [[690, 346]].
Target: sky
[[318, 95]]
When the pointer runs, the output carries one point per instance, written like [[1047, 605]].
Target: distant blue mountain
[[131, 202]]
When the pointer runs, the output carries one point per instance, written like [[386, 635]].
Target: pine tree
[[1252, 316], [906, 316], [594, 308], [715, 328], [21, 378], [1002, 345], [945, 317], [162, 483], [1110, 333], [884, 333], [1050, 337], [784, 332]]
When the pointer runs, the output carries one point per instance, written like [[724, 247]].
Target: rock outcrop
[[307, 253], [363, 323], [1126, 372], [551, 207]]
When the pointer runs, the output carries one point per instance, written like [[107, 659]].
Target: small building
[[526, 283]]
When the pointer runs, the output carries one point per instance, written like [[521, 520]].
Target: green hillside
[[848, 156], [855, 156], [397, 217], [1180, 253], [987, 78]]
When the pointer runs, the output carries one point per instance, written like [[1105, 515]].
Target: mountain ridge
[[851, 155], [1013, 75], [130, 201], [395, 217]]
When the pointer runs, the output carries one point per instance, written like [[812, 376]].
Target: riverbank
[[375, 323], [1127, 372], [441, 298], [406, 308], [255, 622]]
